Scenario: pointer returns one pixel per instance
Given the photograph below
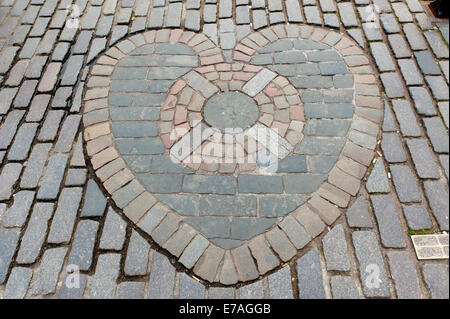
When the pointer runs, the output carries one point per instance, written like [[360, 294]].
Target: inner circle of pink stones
[[280, 108]]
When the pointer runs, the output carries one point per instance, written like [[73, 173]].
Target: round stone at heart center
[[231, 110]]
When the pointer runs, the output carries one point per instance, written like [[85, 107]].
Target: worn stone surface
[[83, 244], [436, 278], [335, 250], [309, 272], [405, 183], [162, 278], [370, 261], [48, 272], [437, 195], [417, 217], [344, 287], [378, 182], [8, 243], [137, 257], [280, 284], [388, 221], [358, 214], [104, 281], [139, 87], [404, 275], [34, 236]]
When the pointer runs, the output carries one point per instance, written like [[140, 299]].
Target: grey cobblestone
[[417, 217], [438, 86], [358, 215], [344, 287], [436, 278], [53, 176], [281, 244], [252, 291], [437, 198], [426, 63], [50, 126], [67, 134], [8, 243], [392, 84], [33, 239], [35, 70], [422, 158], [76, 177], [392, 148], [104, 281], [280, 284], [9, 128], [221, 293], [9, 175], [399, 46], [209, 185], [18, 213], [162, 278], [18, 283], [242, 15], [389, 23], [64, 217], [260, 184], [438, 46], [25, 94], [410, 72], [296, 233], [48, 272], [83, 244], [73, 69], [404, 274], [7, 96], [312, 15], [293, 11], [335, 250], [378, 181], [191, 289], [131, 290], [114, 231], [347, 14], [368, 253], [192, 21], [35, 166], [38, 107], [422, 101], [22, 143], [166, 228], [382, 57], [445, 164], [309, 274], [405, 183], [94, 202], [244, 263], [414, 37], [388, 221], [137, 257]]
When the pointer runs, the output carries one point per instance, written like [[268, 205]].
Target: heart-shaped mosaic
[[226, 162]]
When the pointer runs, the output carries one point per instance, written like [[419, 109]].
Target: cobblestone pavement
[[98, 97]]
